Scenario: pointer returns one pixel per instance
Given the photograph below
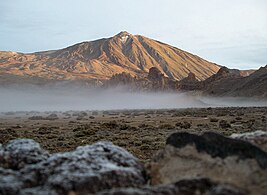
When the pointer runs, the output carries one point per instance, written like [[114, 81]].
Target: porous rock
[[197, 186], [21, 152], [88, 169], [220, 146]]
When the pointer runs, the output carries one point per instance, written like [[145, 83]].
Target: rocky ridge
[[226, 82]]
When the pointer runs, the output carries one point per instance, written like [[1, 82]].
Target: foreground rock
[[183, 187], [21, 152], [221, 159], [258, 138], [190, 164], [88, 169]]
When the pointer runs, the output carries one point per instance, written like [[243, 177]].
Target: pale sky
[[228, 32]]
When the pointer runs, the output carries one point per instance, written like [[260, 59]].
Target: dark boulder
[[155, 74], [222, 159], [219, 146]]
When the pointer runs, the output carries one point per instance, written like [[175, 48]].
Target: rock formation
[[28, 169], [258, 138], [213, 156], [190, 164]]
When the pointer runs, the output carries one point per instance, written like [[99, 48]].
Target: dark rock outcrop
[[155, 75], [229, 82], [210, 155], [220, 146], [189, 83], [154, 81]]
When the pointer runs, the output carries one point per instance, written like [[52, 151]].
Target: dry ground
[[142, 132]]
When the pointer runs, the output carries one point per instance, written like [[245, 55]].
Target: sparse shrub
[[147, 140], [94, 113], [84, 130], [183, 125], [79, 118], [137, 143], [36, 118], [110, 125], [146, 126], [166, 126], [214, 120], [120, 143], [145, 147], [52, 116], [223, 124], [124, 127], [44, 130]]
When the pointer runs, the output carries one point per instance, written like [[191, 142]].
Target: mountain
[[100, 59]]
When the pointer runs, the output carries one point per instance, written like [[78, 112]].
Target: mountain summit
[[100, 59]]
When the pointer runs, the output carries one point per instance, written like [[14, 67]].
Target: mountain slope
[[225, 83], [103, 58]]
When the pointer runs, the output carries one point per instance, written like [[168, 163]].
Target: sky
[[228, 32]]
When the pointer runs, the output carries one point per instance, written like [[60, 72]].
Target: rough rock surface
[[217, 145], [153, 81], [183, 187], [212, 156], [88, 169], [258, 138], [20, 152]]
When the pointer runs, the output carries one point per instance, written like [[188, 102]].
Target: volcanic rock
[[258, 138], [88, 169], [21, 152], [183, 187], [221, 159]]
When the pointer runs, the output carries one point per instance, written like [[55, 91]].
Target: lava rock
[[221, 159], [21, 152], [219, 146], [10, 181], [258, 138], [88, 169], [184, 187]]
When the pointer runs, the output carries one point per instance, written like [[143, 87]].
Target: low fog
[[59, 99]]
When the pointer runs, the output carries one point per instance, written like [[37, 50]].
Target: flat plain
[[142, 132]]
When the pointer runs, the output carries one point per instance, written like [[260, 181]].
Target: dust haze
[[63, 99]]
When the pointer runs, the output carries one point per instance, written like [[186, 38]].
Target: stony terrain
[[142, 132], [189, 164]]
